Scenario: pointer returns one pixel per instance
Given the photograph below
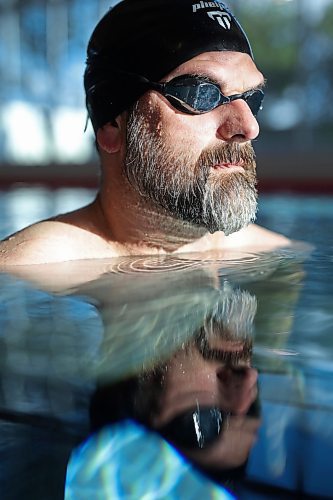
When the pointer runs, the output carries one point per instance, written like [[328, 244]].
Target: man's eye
[[207, 96]]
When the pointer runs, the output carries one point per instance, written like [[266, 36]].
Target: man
[[172, 92]]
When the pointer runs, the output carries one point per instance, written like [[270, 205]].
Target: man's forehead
[[225, 67]]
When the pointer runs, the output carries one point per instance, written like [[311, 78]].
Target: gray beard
[[188, 188]]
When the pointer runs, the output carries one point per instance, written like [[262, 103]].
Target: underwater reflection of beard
[[190, 188]]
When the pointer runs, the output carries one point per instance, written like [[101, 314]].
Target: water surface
[[173, 376]]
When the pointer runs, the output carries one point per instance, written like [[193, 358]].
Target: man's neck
[[141, 226]]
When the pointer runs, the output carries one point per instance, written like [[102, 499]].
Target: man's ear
[[109, 137]]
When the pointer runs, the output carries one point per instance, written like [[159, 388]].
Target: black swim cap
[[151, 38]]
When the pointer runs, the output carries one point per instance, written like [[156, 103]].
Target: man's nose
[[237, 123]]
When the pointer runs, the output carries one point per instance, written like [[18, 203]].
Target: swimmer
[[173, 93]]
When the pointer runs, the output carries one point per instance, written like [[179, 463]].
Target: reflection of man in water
[[173, 93], [203, 399]]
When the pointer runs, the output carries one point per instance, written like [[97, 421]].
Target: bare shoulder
[[52, 241], [255, 237]]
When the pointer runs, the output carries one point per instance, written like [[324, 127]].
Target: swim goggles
[[201, 427], [197, 428], [196, 95]]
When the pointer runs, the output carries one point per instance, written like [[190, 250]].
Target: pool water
[[175, 377]]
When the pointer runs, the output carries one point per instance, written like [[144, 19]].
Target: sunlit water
[[109, 367]]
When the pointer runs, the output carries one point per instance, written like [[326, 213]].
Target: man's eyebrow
[[205, 77], [261, 85], [220, 83]]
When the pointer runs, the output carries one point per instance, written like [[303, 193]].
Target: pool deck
[[299, 172]]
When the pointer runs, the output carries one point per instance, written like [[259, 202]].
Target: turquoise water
[[97, 358]]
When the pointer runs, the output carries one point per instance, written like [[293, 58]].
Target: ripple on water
[[181, 262]]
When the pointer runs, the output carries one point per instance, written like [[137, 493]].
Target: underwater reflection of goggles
[[198, 428], [196, 95]]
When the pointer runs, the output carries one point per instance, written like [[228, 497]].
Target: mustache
[[228, 153]]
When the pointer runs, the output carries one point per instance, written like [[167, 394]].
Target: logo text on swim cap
[[206, 5], [221, 16]]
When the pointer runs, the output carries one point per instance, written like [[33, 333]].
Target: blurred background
[[42, 110]]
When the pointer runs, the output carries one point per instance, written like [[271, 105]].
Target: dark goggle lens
[[195, 429], [254, 100], [194, 95], [206, 98]]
